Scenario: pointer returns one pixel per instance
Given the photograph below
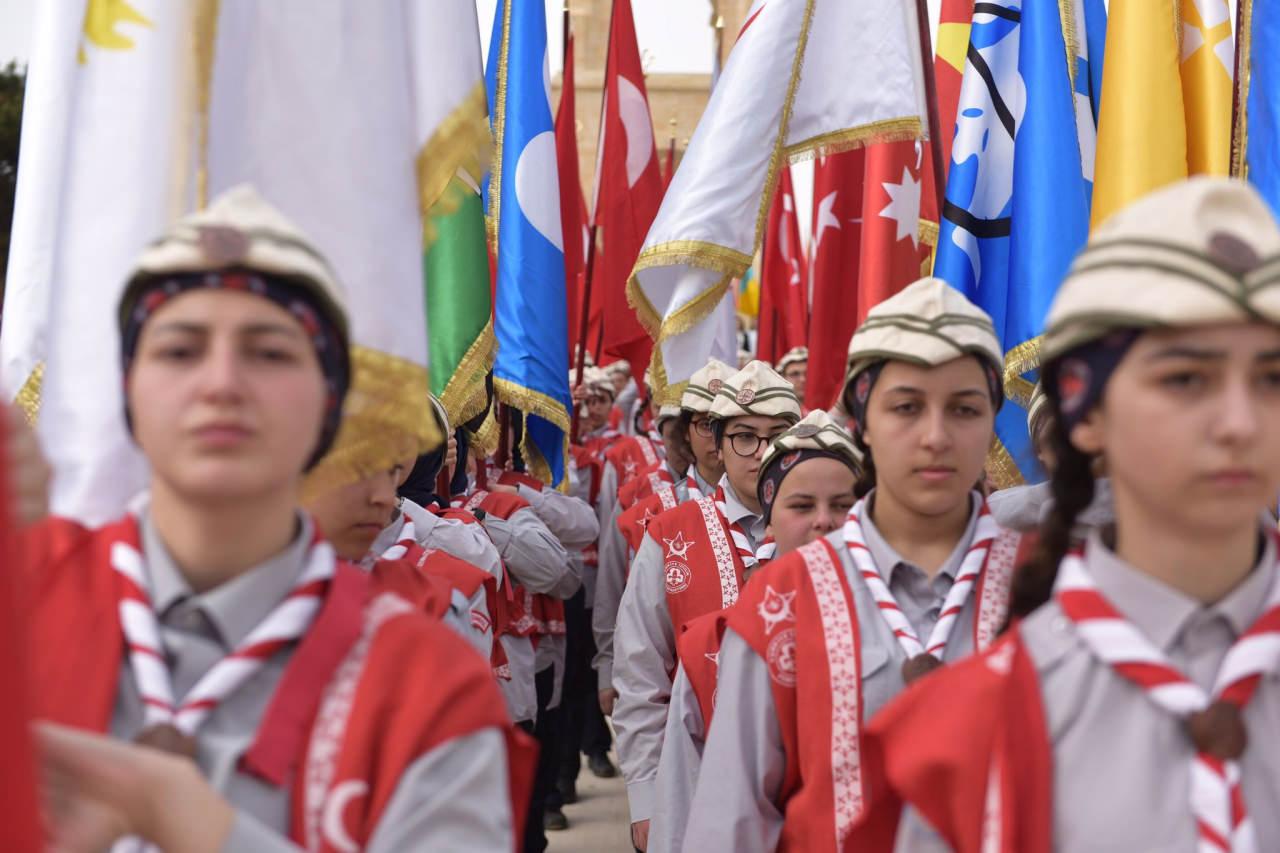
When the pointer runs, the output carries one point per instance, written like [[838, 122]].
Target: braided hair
[[1071, 486]]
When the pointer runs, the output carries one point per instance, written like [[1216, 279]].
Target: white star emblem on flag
[[904, 206]]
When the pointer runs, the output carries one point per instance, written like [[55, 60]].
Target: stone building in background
[[676, 101]]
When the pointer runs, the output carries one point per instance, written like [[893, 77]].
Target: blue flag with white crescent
[[531, 370], [1018, 189], [1260, 129]]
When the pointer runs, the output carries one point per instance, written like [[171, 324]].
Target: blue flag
[[1260, 128], [1018, 191], [531, 370]]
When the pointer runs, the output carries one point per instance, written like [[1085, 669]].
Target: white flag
[[805, 76], [324, 107]]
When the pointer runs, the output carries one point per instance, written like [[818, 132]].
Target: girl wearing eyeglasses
[[691, 562], [805, 489], [916, 575]]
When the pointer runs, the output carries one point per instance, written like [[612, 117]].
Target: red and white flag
[[573, 208], [629, 189], [874, 227], [894, 251], [835, 250], [784, 287], [805, 76]]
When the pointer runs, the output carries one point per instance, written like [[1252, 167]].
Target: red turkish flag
[[573, 208], [892, 251], [866, 246], [784, 288], [629, 190], [835, 248]]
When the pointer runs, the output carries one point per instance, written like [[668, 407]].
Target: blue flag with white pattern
[[1260, 128], [1019, 187], [522, 193]]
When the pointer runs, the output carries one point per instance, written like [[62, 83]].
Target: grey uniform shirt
[[1094, 715], [572, 522], [456, 794], [682, 744], [645, 654], [614, 554], [538, 562], [744, 760]]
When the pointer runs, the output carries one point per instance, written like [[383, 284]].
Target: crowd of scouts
[[811, 630]]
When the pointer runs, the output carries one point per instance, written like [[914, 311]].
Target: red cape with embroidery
[[371, 688], [634, 521], [699, 650], [633, 455], [702, 572], [981, 773], [644, 484], [798, 614]]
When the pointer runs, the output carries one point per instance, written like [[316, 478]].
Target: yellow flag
[[1142, 131], [1208, 64]]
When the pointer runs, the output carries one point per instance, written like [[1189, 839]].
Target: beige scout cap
[[816, 431], [240, 230], [793, 356], [1201, 251], [704, 385], [618, 368], [756, 389], [928, 323], [597, 381], [667, 412], [1038, 409]]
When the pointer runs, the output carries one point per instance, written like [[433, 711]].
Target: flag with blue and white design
[[1259, 129], [1018, 190], [523, 200]]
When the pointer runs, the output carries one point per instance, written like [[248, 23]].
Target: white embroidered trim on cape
[[996, 581], [328, 731], [724, 554], [843, 664]]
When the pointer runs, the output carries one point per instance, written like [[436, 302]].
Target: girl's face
[[226, 395], [1189, 426], [813, 500], [929, 429], [352, 516], [703, 443]]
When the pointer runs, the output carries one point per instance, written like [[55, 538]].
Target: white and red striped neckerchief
[[1217, 802], [285, 624], [407, 539], [966, 578], [469, 502], [741, 543]]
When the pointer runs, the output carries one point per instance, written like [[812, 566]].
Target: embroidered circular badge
[[222, 245], [745, 396], [676, 576], [1232, 253], [789, 460], [805, 431], [1073, 384], [781, 655], [715, 385], [768, 491]]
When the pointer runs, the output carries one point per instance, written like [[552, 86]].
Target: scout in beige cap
[[806, 488], [1163, 358], [695, 423], [751, 408], [914, 575], [597, 394], [190, 623], [794, 367], [691, 561]]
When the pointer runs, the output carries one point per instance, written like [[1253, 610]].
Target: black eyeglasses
[[748, 443]]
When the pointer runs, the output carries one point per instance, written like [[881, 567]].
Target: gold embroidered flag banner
[[805, 77], [146, 109]]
